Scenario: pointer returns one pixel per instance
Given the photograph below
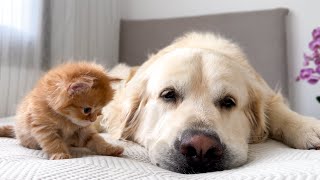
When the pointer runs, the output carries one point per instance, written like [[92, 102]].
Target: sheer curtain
[[38, 34], [85, 29], [20, 50]]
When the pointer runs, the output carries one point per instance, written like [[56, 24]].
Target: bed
[[265, 46], [269, 160]]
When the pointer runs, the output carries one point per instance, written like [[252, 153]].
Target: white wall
[[303, 17]]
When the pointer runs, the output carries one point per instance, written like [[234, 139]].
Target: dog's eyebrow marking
[[176, 85], [222, 93]]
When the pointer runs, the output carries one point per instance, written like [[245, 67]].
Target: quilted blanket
[[269, 160]]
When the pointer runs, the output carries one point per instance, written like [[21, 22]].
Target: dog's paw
[[306, 136], [57, 156]]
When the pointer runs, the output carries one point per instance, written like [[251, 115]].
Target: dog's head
[[195, 106]]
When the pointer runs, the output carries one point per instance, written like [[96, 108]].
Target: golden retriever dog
[[197, 104]]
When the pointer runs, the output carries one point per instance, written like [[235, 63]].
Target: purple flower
[[306, 73], [307, 57], [318, 69], [316, 33], [311, 72], [314, 44], [317, 61], [305, 63], [313, 80], [316, 54]]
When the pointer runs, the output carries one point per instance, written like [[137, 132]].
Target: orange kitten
[[59, 111]]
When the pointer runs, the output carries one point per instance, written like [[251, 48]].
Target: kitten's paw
[[118, 151], [113, 151], [57, 156], [32, 146]]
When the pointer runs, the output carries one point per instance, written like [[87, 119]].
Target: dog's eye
[[227, 102], [169, 95]]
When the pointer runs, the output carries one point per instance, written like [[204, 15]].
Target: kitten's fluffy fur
[[53, 115]]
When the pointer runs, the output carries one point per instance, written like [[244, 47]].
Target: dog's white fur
[[203, 68]]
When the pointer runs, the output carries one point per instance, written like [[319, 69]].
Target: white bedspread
[[270, 160]]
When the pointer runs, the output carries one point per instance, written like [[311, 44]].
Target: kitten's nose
[[92, 117], [92, 120]]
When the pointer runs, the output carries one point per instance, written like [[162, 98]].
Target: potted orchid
[[311, 64]]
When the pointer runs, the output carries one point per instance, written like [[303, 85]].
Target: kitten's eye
[[87, 110], [169, 95], [227, 102]]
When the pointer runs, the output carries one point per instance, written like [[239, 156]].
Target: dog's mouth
[[196, 152], [195, 165]]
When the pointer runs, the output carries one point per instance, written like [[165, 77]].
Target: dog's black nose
[[203, 152]]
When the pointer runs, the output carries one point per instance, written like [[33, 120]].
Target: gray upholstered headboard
[[261, 34]]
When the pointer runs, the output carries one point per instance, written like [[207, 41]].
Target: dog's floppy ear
[[256, 114], [121, 115], [130, 115]]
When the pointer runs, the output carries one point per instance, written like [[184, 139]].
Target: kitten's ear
[[82, 84]]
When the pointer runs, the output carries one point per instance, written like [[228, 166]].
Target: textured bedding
[[270, 160]]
